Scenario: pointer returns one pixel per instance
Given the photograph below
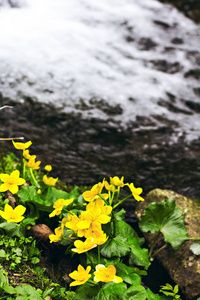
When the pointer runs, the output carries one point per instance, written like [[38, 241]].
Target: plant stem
[[160, 249], [88, 257], [122, 201], [99, 260], [153, 244], [112, 196], [118, 191], [49, 187], [32, 175], [194, 239], [102, 197], [22, 165]]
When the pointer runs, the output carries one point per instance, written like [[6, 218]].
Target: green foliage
[[128, 274], [168, 290], [16, 251], [167, 218], [8, 162], [27, 292], [118, 242], [5, 288], [135, 293]]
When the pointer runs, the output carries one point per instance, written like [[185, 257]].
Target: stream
[[103, 89]]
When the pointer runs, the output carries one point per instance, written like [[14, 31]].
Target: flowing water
[[104, 88]]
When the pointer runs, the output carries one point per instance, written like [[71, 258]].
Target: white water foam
[[62, 50]]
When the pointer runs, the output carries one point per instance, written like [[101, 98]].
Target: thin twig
[[6, 106], [10, 139], [160, 249]]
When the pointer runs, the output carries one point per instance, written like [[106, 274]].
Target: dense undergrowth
[[106, 257]]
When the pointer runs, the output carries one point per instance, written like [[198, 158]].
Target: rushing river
[[104, 88]]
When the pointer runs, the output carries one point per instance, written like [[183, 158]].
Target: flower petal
[[3, 188], [4, 177], [13, 189], [20, 210]]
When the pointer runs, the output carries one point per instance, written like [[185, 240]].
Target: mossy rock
[[182, 265]]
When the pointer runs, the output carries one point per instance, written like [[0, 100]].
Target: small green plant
[[5, 288], [168, 290], [18, 250]]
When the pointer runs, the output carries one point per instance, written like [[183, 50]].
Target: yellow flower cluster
[[88, 223], [58, 206], [101, 274], [115, 184], [31, 163]]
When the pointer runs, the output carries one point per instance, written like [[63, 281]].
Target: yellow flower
[[109, 187], [135, 192], [71, 223], [80, 276], [99, 237], [95, 190], [50, 180], [22, 146], [91, 218], [116, 181], [58, 205], [99, 203], [106, 274], [11, 182], [85, 246], [48, 168], [32, 164], [39, 191], [13, 215], [27, 155], [96, 214], [57, 236]]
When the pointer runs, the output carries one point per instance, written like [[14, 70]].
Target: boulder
[[182, 265]]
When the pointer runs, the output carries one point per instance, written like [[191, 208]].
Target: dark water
[[85, 151]]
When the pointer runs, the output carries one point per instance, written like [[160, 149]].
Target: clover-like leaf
[[111, 291], [29, 194], [86, 291], [151, 295], [12, 229], [119, 215], [115, 247], [139, 256], [167, 218], [125, 231], [127, 274], [135, 293]]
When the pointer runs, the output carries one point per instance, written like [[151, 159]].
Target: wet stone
[[194, 73], [177, 41], [146, 44], [162, 24], [197, 91], [192, 105], [165, 66]]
